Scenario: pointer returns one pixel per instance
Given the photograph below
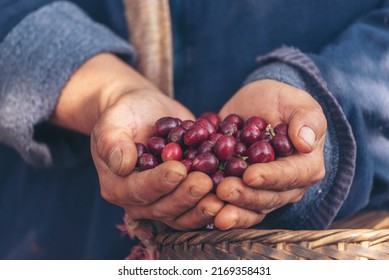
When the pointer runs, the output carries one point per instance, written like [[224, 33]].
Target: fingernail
[[230, 225], [257, 181], [173, 177], [115, 159], [308, 136], [208, 214], [267, 211], [196, 193]]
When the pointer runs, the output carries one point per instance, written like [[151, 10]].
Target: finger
[[112, 145], [142, 188], [286, 173], [307, 127], [194, 187], [231, 216], [234, 191], [202, 214], [146, 187]]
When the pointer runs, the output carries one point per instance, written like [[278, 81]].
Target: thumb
[[307, 126], [113, 148]]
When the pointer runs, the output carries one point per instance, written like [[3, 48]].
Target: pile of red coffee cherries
[[216, 147]]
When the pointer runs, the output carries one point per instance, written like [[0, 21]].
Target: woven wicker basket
[[365, 236]]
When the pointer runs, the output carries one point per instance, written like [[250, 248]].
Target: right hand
[[110, 101], [165, 193]]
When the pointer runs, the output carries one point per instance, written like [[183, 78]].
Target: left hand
[[269, 186]]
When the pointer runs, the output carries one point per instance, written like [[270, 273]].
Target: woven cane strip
[[382, 247], [335, 253], [276, 253], [150, 33], [279, 244]]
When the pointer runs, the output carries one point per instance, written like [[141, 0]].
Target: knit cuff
[[37, 58], [321, 203]]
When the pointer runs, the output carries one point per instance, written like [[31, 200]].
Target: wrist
[[93, 88]]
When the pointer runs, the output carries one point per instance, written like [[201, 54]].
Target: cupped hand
[[109, 100], [165, 193], [269, 186]]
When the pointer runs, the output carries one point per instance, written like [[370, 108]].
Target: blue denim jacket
[[337, 51]]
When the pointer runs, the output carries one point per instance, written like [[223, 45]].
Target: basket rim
[[314, 237]]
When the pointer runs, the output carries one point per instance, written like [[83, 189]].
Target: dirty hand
[[110, 101], [269, 186]]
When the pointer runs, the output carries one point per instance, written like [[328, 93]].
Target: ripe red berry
[[207, 124], [172, 151], [187, 124], [281, 128], [227, 128], [155, 145], [235, 119], [240, 149], [164, 125], [282, 145], [258, 122], [214, 137], [260, 151], [177, 135], [147, 161], [235, 167], [250, 133], [225, 147], [217, 177], [207, 163], [188, 164], [179, 121], [265, 136], [195, 135], [191, 153], [213, 117], [140, 148], [237, 136], [205, 147]]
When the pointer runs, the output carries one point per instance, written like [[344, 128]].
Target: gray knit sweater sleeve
[[37, 58], [322, 202]]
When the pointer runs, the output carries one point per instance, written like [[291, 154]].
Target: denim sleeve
[[349, 78], [37, 58]]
